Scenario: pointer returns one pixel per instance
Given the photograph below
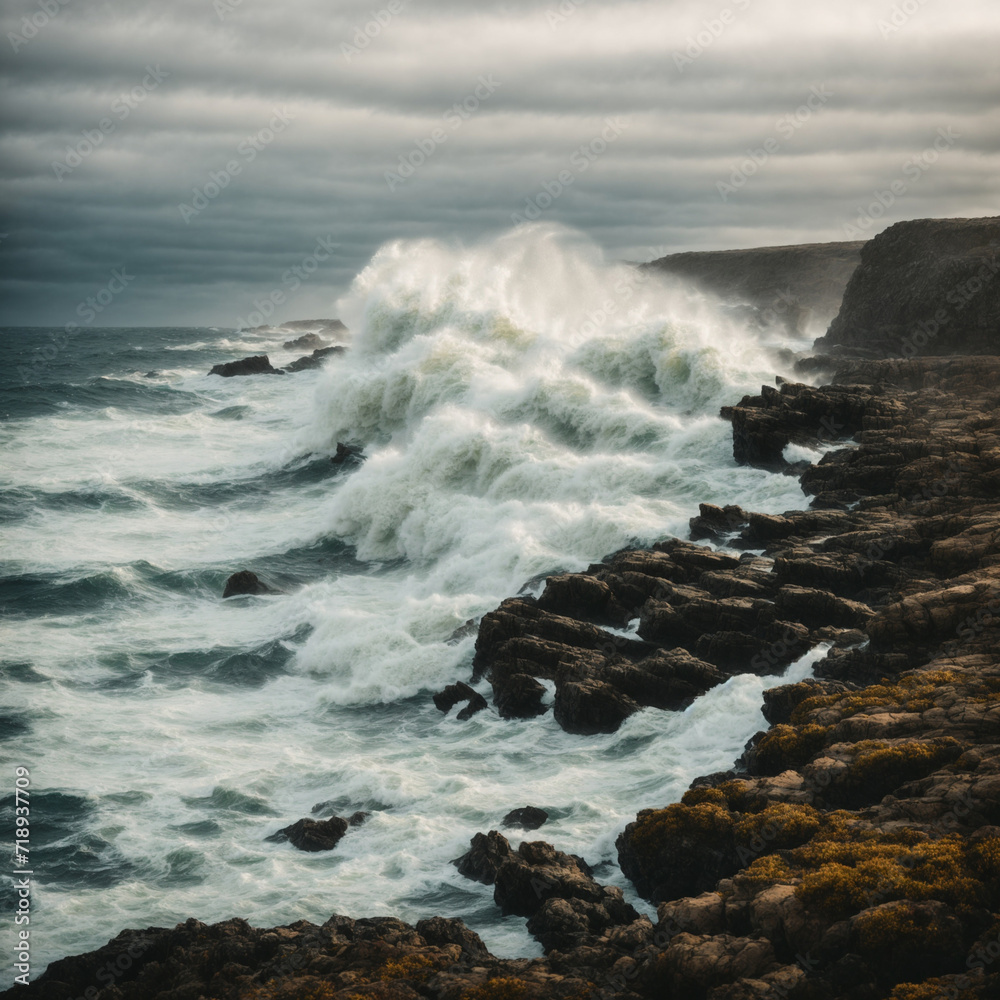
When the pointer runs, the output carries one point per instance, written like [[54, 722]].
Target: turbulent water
[[524, 407]]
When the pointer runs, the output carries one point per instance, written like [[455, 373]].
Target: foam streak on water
[[525, 407]]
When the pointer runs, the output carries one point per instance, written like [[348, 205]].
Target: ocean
[[525, 407]]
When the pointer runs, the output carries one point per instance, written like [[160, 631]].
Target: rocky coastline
[[853, 851]]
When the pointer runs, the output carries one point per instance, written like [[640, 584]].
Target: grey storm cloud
[[206, 145]]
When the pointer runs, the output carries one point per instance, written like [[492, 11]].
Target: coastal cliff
[[926, 287], [796, 287], [854, 849]]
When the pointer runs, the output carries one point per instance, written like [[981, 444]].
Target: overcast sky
[[205, 146]]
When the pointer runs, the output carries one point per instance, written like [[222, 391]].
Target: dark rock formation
[[245, 582], [795, 286], [526, 818], [341, 959], [567, 908], [454, 693], [483, 859], [854, 831], [307, 342], [926, 287], [318, 834], [314, 360], [260, 364]]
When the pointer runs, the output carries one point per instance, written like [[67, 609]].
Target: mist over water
[[525, 407]]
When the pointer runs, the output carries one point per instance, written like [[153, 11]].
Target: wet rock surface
[[246, 582], [314, 360], [527, 818], [318, 834], [260, 364], [445, 700]]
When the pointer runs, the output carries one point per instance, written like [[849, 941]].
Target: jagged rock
[[454, 693], [245, 582], [670, 680], [814, 607], [717, 523], [378, 957], [526, 818], [560, 896], [258, 365], [484, 858], [582, 596], [590, 707], [314, 360], [442, 931], [519, 698], [307, 342], [314, 834]]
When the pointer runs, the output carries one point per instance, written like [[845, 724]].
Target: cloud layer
[[206, 145]]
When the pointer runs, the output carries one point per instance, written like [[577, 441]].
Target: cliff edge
[[925, 287]]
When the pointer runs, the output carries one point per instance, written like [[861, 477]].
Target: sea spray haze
[[525, 407]]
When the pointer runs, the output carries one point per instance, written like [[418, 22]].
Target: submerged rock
[[454, 693], [246, 582], [260, 364], [526, 818], [318, 834]]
